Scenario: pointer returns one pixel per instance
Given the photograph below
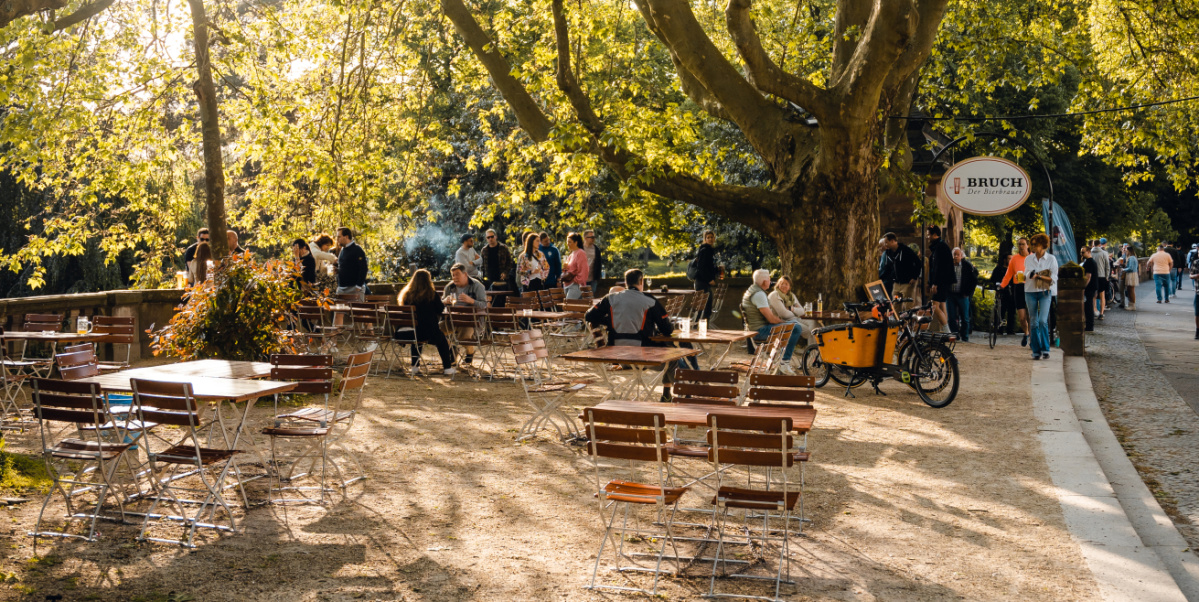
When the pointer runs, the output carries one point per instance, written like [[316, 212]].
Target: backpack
[[693, 268]]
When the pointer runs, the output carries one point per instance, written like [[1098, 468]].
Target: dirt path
[[906, 502]]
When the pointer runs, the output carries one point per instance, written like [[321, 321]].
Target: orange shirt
[[1014, 265]]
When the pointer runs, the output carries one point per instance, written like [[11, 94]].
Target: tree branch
[[891, 27], [528, 113], [763, 122], [687, 81], [763, 72], [84, 13], [744, 204], [11, 10], [851, 14]]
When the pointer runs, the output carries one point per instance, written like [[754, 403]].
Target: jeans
[[1178, 279], [353, 290], [764, 334], [1089, 309], [1161, 281], [958, 307], [1038, 313], [573, 291]]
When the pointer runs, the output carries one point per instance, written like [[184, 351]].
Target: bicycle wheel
[[846, 377], [996, 321], [935, 375], [814, 367]]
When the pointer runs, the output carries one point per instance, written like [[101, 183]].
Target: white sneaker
[[449, 371], [785, 369]]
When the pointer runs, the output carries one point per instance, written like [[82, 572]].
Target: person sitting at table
[[785, 304], [422, 297], [632, 317], [464, 291], [306, 264], [755, 306]]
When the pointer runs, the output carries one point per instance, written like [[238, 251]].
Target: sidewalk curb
[[1155, 528], [1124, 567]]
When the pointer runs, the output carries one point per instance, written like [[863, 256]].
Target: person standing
[[497, 264], [1014, 280], [553, 259], [1040, 277], [189, 254], [1175, 259], [467, 256], [234, 247], [706, 272], [940, 274], [1193, 255], [961, 291], [320, 252], [576, 271], [906, 267], [1162, 266], [595, 260], [352, 266], [1193, 268], [1132, 277], [531, 269], [1103, 272], [1091, 270], [306, 263]]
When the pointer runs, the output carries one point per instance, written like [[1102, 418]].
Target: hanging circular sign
[[986, 186]]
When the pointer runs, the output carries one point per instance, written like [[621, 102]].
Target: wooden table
[[212, 367], [696, 415], [52, 337], [670, 291], [232, 428], [639, 358], [728, 338]]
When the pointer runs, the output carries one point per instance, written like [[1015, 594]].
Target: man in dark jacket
[[595, 260], [352, 265], [498, 264], [902, 265], [961, 290], [706, 271], [940, 274], [552, 257]]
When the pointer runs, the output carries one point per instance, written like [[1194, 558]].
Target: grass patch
[[23, 472]]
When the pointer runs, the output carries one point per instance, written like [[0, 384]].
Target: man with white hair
[[755, 306], [965, 280]]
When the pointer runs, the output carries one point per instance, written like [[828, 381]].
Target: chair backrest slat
[[626, 435], [64, 401], [726, 377], [298, 360]]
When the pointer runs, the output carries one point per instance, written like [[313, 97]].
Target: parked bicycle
[[997, 321], [888, 345]]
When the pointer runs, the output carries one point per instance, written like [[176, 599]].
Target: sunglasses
[[203, 240], [590, 238], [490, 238]]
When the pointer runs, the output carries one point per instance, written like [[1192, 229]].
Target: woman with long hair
[[1040, 277], [428, 307], [575, 274], [200, 263], [531, 267]]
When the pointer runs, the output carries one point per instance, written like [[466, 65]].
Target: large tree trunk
[[210, 127]]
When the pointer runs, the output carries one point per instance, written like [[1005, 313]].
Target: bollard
[[1071, 282]]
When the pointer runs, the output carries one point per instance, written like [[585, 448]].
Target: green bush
[[242, 312], [980, 310]]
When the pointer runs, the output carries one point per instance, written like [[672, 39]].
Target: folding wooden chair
[[401, 321], [379, 300], [157, 403], [313, 325], [752, 443], [718, 293], [77, 457], [323, 430], [716, 388], [119, 332], [546, 397], [585, 292], [11, 417], [545, 300], [790, 391], [699, 302], [504, 324], [558, 296], [40, 366], [294, 368], [639, 438], [468, 327], [368, 328], [572, 334]]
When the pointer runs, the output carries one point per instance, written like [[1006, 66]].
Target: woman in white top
[[786, 305], [320, 252], [1040, 270]]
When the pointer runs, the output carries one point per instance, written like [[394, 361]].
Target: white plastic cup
[[703, 328], [685, 325]]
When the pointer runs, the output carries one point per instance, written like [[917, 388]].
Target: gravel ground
[[907, 503], [1158, 429]]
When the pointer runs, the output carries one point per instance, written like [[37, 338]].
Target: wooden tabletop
[[500, 293], [641, 356], [670, 291], [56, 337], [203, 387], [713, 336], [214, 368], [549, 315], [694, 414]]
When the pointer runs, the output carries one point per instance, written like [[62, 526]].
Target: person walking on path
[[1193, 268], [1132, 277], [1089, 267], [352, 266], [940, 276], [965, 280], [1176, 258], [902, 264], [705, 270], [1103, 272], [467, 256], [1162, 266], [575, 272], [553, 259], [595, 261], [1040, 277], [1014, 278]]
